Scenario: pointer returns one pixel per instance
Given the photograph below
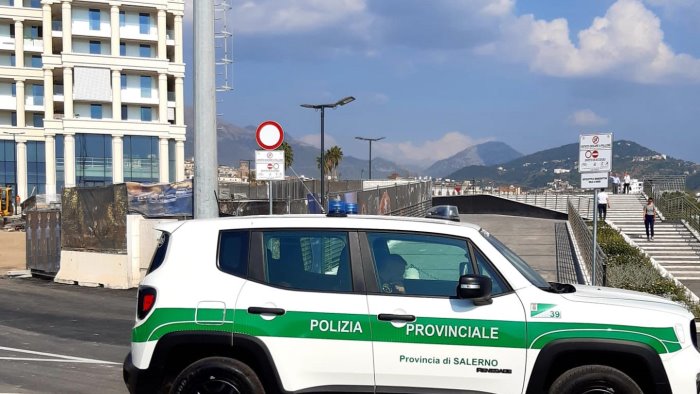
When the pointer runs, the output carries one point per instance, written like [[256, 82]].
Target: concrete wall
[[115, 271], [485, 204]]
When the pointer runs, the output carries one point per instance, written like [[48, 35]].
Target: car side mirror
[[476, 288]]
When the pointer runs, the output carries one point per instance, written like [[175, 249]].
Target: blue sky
[[434, 77]]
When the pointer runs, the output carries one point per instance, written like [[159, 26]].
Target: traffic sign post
[[594, 164], [269, 163]]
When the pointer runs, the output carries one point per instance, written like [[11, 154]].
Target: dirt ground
[[12, 251]]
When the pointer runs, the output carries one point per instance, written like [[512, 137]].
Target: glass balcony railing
[[57, 25], [171, 96]]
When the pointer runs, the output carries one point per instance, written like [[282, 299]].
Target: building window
[[36, 167], [146, 114], [13, 119], [13, 88], [96, 111], [34, 32], [171, 160], [122, 49], [7, 163], [13, 60], [59, 163], [38, 120], [36, 61], [141, 159], [146, 83], [95, 47], [145, 50], [144, 23], [122, 18], [94, 19], [35, 3], [38, 94], [123, 81], [125, 112], [93, 159], [12, 30]]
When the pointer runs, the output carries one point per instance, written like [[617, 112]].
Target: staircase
[[674, 247]]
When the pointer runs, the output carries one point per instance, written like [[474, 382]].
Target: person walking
[[603, 204], [615, 183], [649, 218], [626, 185]]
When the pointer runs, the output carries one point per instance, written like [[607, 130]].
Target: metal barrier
[[584, 240], [672, 201], [43, 233]]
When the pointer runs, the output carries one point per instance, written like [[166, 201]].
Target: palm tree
[[328, 165], [288, 154], [335, 156]]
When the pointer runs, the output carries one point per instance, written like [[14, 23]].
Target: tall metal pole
[[370, 160], [323, 162], [205, 166], [595, 234]]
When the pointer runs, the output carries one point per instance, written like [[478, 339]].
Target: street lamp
[[14, 139], [323, 107], [370, 150]]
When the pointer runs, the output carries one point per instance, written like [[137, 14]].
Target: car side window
[[415, 264], [308, 260], [233, 252], [498, 285]]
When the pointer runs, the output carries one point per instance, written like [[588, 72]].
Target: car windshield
[[521, 265]]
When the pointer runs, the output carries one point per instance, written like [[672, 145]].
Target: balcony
[[57, 28], [33, 45], [8, 103]]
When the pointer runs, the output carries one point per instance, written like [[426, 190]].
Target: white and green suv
[[310, 304]]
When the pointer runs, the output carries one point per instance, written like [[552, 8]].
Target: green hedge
[[628, 268]]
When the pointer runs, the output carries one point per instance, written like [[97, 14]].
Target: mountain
[[236, 143], [537, 169], [486, 154]]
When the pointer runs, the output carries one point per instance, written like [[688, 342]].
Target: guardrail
[[584, 239], [679, 209]]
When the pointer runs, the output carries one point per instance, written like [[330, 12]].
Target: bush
[[628, 268]]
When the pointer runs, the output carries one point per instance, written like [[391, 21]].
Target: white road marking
[[57, 357]]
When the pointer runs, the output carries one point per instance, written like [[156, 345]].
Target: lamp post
[[370, 150], [323, 107], [14, 140]]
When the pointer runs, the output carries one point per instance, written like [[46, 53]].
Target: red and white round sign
[[269, 135]]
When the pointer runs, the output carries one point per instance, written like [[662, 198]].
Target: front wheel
[[594, 379], [217, 375]]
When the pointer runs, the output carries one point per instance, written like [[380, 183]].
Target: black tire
[[594, 379], [216, 375]]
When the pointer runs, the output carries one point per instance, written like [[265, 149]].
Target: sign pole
[[269, 186], [595, 233]]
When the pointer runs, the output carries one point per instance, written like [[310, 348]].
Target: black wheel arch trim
[[549, 353]]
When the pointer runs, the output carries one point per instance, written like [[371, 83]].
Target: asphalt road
[[63, 339]]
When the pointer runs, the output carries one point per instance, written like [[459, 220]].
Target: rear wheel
[[594, 379], [217, 375]]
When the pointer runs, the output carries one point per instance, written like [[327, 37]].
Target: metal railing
[[672, 201], [584, 239]]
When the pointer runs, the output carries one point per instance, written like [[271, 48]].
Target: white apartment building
[[91, 93]]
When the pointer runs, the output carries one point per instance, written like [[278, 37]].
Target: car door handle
[[392, 317], [258, 310]]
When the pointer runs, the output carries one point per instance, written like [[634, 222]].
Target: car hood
[[620, 297]]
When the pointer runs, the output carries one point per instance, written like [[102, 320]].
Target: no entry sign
[[269, 135]]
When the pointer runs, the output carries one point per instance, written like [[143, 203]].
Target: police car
[[308, 303]]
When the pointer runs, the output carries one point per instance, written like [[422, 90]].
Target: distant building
[[561, 171], [93, 92]]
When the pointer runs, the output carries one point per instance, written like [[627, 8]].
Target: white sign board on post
[[595, 153], [269, 165], [594, 180]]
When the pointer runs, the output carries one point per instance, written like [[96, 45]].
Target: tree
[[335, 156], [288, 154]]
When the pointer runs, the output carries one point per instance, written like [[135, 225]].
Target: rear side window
[[308, 260], [159, 254], [233, 252]]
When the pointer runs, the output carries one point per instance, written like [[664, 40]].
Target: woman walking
[[649, 217]]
